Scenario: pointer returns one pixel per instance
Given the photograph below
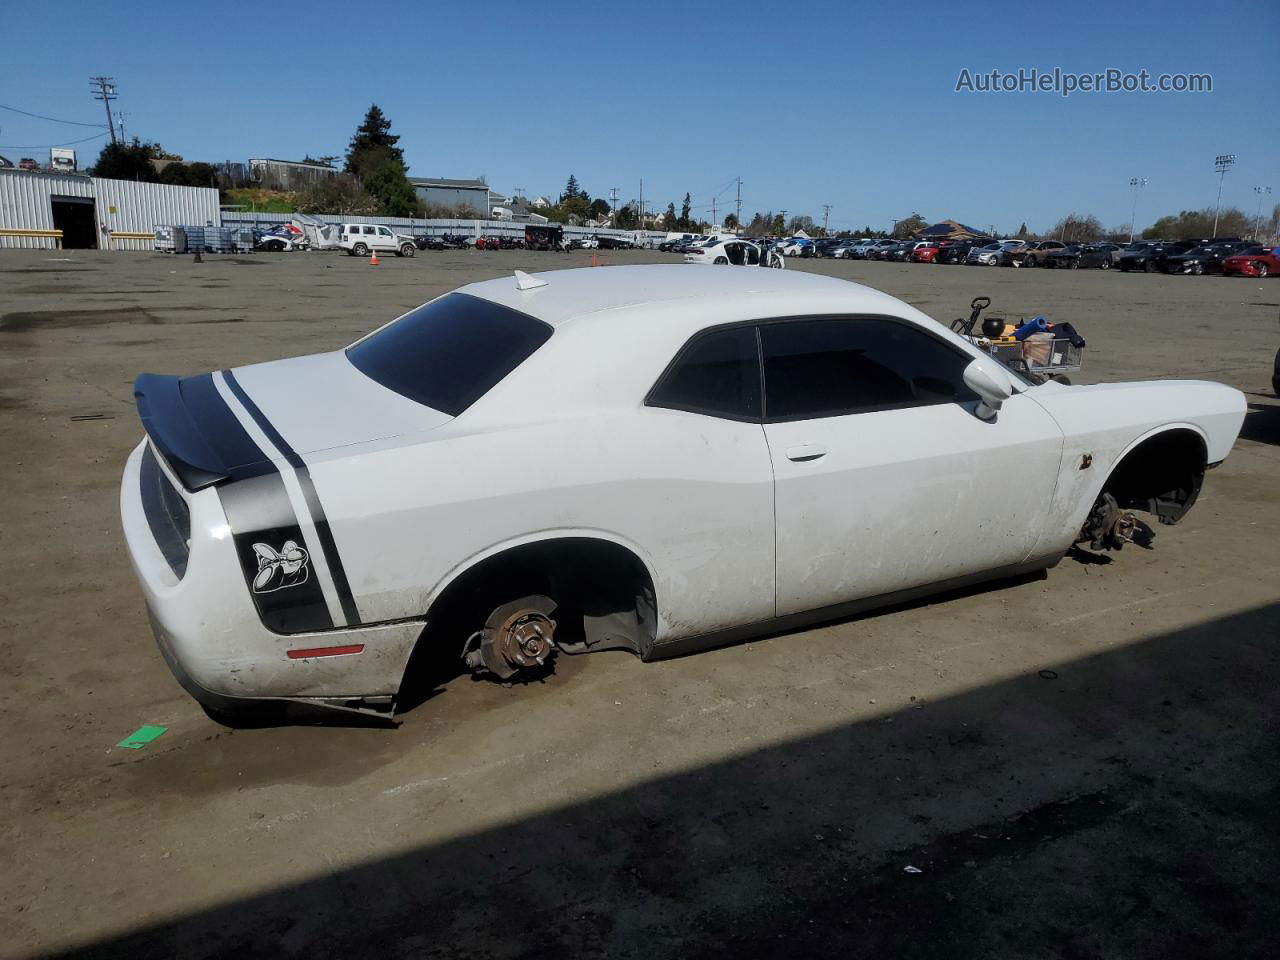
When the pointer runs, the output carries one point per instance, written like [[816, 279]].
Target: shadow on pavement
[[1262, 423], [1123, 804]]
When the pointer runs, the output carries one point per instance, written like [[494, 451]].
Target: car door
[[704, 442], [885, 479], [384, 239]]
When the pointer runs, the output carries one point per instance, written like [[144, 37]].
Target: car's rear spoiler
[[195, 431]]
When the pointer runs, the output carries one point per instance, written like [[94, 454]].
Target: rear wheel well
[[603, 593], [1162, 475]]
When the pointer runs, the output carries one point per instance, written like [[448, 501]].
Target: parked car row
[[1224, 255]]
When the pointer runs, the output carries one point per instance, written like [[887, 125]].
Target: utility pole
[[826, 214], [1257, 223], [120, 115], [1137, 183], [106, 92], [784, 221], [1221, 164], [738, 213], [641, 203], [613, 207], [714, 223]]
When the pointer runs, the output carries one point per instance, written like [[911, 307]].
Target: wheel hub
[[1109, 527], [516, 637]]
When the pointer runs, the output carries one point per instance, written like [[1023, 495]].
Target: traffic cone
[[373, 259], [595, 262]]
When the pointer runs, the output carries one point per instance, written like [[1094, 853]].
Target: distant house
[[950, 230], [540, 203], [453, 194], [517, 210]]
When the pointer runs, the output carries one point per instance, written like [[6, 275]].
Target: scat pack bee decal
[[278, 569]]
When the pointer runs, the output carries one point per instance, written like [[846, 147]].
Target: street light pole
[[1257, 223], [1221, 164], [1137, 183]]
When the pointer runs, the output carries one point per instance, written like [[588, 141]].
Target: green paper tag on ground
[[141, 737]]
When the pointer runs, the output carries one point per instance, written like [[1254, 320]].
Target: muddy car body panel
[[294, 524]]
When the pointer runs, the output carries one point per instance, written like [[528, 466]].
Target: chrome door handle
[[806, 452]]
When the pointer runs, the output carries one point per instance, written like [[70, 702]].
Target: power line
[[47, 146], [39, 116]]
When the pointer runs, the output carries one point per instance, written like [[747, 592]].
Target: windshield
[[449, 353]]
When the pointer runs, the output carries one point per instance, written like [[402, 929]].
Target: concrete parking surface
[[1077, 765]]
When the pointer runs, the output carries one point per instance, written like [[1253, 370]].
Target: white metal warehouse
[[44, 211]]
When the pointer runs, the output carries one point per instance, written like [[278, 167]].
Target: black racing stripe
[[218, 425], [323, 533], [261, 516]]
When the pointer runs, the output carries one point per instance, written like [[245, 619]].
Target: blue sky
[[846, 104]]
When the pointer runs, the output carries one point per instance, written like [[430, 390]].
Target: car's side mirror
[[991, 383]]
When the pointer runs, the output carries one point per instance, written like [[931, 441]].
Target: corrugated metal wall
[[451, 198], [24, 204], [126, 206], [122, 205]]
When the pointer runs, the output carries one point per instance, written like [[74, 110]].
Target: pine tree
[[570, 189], [373, 135], [1022, 230], [684, 212]]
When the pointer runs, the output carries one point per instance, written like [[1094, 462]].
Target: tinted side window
[[826, 368], [717, 374]]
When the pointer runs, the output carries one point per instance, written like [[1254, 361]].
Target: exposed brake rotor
[[517, 636], [1109, 527]]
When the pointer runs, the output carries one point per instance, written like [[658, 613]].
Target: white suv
[[360, 239]]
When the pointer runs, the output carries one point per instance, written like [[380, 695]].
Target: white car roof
[[748, 292]]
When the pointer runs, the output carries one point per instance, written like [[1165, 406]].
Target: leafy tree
[[372, 138], [625, 219], [599, 208], [670, 217], [802, 222], [730, 221], [912, 224], [128, 161], [1199, 223], [777, 227]]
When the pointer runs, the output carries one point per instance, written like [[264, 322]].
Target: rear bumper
[[210, 633]]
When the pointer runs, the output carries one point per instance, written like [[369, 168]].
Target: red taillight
[[308, 653]]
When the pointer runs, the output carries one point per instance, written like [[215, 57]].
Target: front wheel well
[[1162, 475]]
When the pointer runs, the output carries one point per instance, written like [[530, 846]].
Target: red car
[[1253, 262], [926, 253]]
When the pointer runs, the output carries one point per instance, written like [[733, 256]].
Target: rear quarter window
[[449, 353]]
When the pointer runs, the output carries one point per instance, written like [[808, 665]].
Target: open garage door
[[77, 218]]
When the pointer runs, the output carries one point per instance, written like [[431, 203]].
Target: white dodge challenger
[[651, 458]]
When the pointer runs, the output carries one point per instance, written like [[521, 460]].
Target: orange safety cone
[[373, 259], [595, 262]]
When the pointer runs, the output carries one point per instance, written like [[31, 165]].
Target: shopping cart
[[1039, 357]]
